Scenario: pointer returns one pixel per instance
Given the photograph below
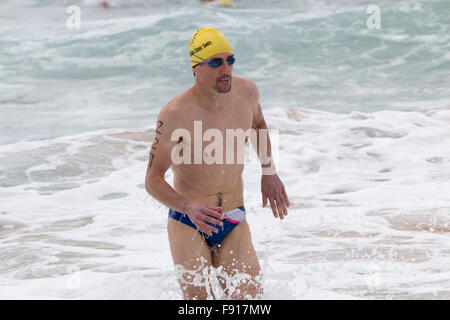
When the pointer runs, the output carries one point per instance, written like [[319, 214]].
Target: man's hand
[[273, 189], [200, 213]]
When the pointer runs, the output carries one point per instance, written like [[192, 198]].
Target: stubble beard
[[220, 88]]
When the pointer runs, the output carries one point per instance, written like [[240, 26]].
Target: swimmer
[[207, 226], [222, 3]]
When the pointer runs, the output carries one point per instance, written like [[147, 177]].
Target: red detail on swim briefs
[[232, 221]]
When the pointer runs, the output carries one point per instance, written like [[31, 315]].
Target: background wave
[[127, 61], [363, 117]]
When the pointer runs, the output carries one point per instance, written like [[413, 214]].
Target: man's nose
[[225, 68]]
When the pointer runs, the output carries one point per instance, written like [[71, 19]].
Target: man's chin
[[220, 89]]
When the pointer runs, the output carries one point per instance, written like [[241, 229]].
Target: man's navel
[[219, 199]]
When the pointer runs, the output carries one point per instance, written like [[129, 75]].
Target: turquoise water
[[127, 61], [363, 118]]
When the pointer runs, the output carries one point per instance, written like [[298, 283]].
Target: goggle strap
[[202, 60]]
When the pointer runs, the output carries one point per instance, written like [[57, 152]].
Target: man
[[207, 226]]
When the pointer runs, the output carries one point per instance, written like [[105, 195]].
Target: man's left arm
[[272, 188]]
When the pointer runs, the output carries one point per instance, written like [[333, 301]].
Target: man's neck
[[210, 100]]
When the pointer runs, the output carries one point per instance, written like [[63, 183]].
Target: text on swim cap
[[204, 45]]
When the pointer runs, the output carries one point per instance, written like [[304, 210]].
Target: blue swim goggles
[[217, 62]]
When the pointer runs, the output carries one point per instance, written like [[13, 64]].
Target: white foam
[[368, 195]]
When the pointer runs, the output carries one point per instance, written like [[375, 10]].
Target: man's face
[[218, 78]]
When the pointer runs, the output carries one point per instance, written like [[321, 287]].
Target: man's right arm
[[155, 184], [160, 161]]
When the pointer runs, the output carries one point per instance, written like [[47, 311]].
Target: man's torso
[[218, 184]]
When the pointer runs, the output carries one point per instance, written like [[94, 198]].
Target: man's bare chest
[[232, 119]]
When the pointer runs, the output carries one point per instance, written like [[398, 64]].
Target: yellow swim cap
[[206, 42]]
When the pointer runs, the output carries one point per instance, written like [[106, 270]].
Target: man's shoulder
[[247, 87], [245, 82], [175, 108]]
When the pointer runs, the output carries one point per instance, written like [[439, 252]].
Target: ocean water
[[363, 117]]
